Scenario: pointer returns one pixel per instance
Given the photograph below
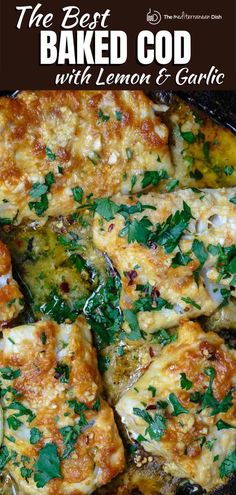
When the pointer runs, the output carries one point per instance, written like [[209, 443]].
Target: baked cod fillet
[[60, 436], [11, 300], [58, 147], [183, 407], [175, 254]]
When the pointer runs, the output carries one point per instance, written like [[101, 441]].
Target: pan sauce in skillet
[[52, 271]]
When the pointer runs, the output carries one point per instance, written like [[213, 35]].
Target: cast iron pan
[[221, 107]]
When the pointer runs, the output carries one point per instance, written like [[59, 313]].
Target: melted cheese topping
[[58, 364], [11, 302], [191, 444], [138, 264], [103, 140]]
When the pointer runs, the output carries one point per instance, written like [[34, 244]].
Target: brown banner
[[40, 49]]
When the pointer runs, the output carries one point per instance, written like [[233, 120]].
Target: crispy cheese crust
[[146, 269], [192, 443], [58, 369], [96, 140], [11, 302]]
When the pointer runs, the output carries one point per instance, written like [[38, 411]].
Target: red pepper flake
[[111, 227], [131, 275], [155, 293], [151, 407], [65, 287], [151, 352]]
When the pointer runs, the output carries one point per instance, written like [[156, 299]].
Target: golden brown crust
[[11, 302], [37, 351], [192, 445], [91, 149], [213, 217]]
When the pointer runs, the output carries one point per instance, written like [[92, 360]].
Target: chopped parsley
[[137, 230], [153, 177], [196, 174], [177, 407], [9, 374], [172, 185], [228, 466], [153, 390], [39, 191], [228, 170], [106, 208], [70, 435], [233, 200], [163, 337], [51, 156], [47, 466], [102, 116], [94, 157], [171, 230], [5, 456], [201, 254], [62, 371], [185, 383], [129, 154], [180, 259], [209, 401], [35, 435], [190, 301], [103, 312], [188, 136], [78, 194], [132, 321], [156, 425], [118, 115], [222, 425]]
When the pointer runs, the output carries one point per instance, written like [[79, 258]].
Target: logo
[[153, 17]]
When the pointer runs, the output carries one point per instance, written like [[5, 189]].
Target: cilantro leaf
[[177, 407], [228, 466], [185, 383], [153, 177], [47, 466]]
